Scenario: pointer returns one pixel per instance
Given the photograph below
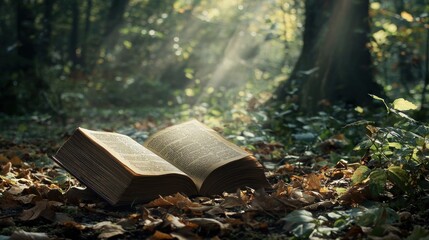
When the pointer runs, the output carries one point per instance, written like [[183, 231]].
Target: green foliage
[[360, 174], [377, 216], [396, 153], [300, 223]]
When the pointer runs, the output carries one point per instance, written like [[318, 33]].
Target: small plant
[[395, 157]]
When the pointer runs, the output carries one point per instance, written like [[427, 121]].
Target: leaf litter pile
[[39, 200]]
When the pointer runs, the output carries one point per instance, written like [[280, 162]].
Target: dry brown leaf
[[25, 174], [177, 200], [354, 195], [184, 234], [232, 201], [129, 222], [16, 189], [73, 225], [42, 208], [302, 196], [16, 161], [263, 201], [159, 202], [313, 182], [160, 236], [108, 229], [208, 226], [23, 235], [286, 168], [149, 221], [26, 199], [173, 221], [5, 169]]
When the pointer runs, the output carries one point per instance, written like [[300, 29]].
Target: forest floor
[[320, 190]]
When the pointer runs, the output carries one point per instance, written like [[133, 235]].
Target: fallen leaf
[[160, 236], [263, 201], [42, 209], [208, 227], [23, 235], [26, 199], [129, 222], [16, 189], [177, 200], [5, 169], [313, 182], [159, 202], [150, 222], [108, 229], [173, 221], [232, 201], [16, 161]]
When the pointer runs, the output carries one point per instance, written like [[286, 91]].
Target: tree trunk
[[109, 35], [74, 35], [46, 32], [114, 19], [86, 32], [335, 63], [29, 85]]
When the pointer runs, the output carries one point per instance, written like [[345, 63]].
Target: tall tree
[[335, 63], [86, 31], [74, 34], [109, 35], [28, 86], [114, 19]]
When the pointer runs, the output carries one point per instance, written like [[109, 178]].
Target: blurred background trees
[[64, 56]]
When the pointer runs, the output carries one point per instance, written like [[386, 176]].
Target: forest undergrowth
[[341, 173]]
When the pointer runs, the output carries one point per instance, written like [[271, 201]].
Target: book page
[[134, 156], [194, 148]]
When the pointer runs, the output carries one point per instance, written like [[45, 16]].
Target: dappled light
[[198, 119]]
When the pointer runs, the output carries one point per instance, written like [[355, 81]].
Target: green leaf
[[377, 216], [360, 174], [380, 99], [377, 182], [395, 145], [403, 105], [299, 216], [303, 230], [363, 145], [300, 222], [398, 176]]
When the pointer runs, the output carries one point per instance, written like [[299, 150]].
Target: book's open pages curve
[[194, 148], [135, 157]]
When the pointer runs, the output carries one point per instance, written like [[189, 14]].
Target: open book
[[189, 158]]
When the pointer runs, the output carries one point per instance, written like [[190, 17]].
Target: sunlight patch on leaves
[[399, 177], [360, 174], [403, 105]]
